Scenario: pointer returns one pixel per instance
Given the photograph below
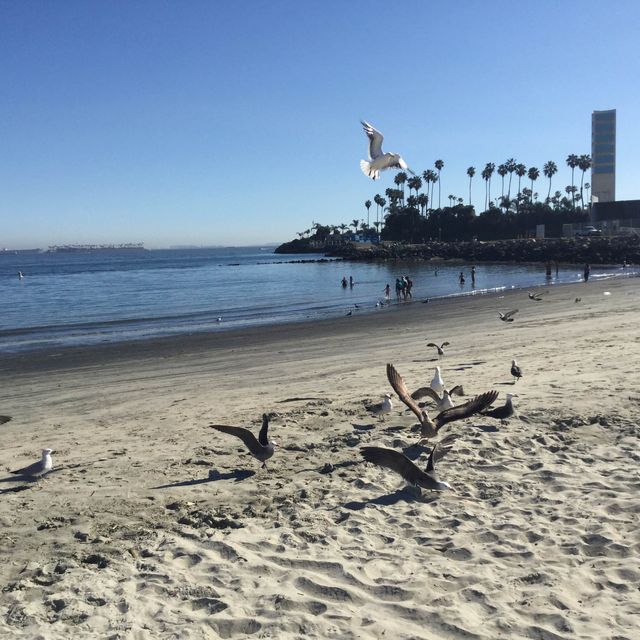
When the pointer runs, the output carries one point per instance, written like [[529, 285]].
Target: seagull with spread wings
[[439, 348], [396, 461], [507, 317], [429, 427], [379, 161], [261, 447]]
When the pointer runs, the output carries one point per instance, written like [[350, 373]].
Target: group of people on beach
[[404, 284]]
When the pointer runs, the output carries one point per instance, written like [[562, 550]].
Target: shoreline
[[53, 358]]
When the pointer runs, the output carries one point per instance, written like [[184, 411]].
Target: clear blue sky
[[193, 122]]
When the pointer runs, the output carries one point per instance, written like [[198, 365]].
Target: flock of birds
[[263, 449]]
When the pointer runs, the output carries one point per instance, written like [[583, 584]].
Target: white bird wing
[[375, 140]]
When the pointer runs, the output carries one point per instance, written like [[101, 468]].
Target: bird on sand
[[261, 447], [399, 463], [536, 296], [503, 412], [381, 409], [440, 349], [442, 402], [578, 299], [429, 428], [437, 383], [516, 371], [507, 317], [37, 469], [4, 419], [379, 161]]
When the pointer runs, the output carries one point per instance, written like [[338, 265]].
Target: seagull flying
[[503, 412], [37, 469], [440, 348], [261, 447], [516, 371], [429, 427], [379, 161], [507, 317], [382, 408], [399, 463], [4, 419]]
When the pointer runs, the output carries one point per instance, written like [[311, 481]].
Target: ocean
[[75, 299]]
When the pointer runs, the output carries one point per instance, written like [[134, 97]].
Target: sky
[[191, 122]]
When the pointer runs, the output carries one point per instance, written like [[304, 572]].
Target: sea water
[[99, 297]]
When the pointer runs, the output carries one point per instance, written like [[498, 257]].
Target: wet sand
[[153, 525]]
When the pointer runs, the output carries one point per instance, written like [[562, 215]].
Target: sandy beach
[[153, 525]]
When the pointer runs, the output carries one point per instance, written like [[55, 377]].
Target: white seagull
[[437, 384], [379, 161], [37, 469], [381, 409]]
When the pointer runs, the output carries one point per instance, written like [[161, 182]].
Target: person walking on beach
[[387, 291], [408, 287], [461, 279], [399, 288], [473, 276], [587, 271]]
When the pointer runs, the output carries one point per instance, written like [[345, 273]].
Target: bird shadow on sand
[[363, 427], [405, 494], [236, 475], [505, 384], [487, 428]]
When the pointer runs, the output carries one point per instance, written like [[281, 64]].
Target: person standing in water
[[387, 291], [461, 279], [473, 276], [587, 271]]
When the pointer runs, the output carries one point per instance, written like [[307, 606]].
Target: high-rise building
[[603, 155]]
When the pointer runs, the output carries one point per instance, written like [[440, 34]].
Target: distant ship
[[97, 248]]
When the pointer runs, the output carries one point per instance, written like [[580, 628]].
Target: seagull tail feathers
[[368, 171]]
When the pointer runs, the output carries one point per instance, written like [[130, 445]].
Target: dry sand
[[155, 526]]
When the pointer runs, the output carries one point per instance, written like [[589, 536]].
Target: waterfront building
[[603, 156]]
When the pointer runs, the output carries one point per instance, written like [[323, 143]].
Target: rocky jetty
[[573, 250]]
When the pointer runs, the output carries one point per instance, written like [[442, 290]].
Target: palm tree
[[414, 183], [381, 202], [550, 169], [587, 186], [533, 174], [438, 165], [584, 164], [400, 179], [355, 224], [367, 204], [521, 171], [423, 201], [343, 227], [502, 172], [510, 164], [471, 171], [487, 172], [572, 162], [451, 199]]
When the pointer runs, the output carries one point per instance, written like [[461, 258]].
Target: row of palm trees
[[508, 168]]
